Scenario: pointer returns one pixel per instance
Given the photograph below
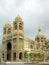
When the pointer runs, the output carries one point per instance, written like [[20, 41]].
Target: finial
[[39, 29]]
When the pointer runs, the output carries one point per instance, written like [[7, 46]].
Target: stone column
[[17, 58], [18, 41]]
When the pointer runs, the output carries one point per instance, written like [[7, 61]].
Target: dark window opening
[[3, 56], [14, 55], [20, 26], [9, 56], [15, 26], [20, 55], [31, 46], [9, 30], [9, 46]]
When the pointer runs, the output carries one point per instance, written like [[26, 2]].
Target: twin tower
[[13, 40]]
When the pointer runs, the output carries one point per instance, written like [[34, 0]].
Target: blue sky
[[34, 13]]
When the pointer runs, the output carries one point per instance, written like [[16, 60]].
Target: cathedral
[[14, 43]]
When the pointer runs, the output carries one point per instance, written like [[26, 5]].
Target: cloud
[[34, 13]]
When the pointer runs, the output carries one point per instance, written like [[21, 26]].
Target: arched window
[[38, 40], [15, 26], [9, 30], [8, 56], [14, 55], [9, 47], [3, 56], [31, 46], [20, 55], [20, 26]]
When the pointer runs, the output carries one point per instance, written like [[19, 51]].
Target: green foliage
[[25, 54], [42, 55], [36, 55], [31, 55]]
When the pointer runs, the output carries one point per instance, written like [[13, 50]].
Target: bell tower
[[6, 42], [18, 31], [13, 40], [18, 24]]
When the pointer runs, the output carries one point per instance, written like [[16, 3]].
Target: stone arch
[[9, 47], [20, 55]]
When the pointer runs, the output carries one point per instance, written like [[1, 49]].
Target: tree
[[35, 56], [31, 56], [40, 56], [25, 55]]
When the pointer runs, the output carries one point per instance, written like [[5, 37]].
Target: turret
[[7, 28], [40, 37], [18, 23]]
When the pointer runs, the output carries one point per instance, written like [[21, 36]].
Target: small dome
[[40, 33], [7, 25], [18, 18]]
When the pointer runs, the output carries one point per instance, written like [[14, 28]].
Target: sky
[[34, 13]]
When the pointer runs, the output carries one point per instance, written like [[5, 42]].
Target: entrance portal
[[20, 55], [8, 56], [9, 51]]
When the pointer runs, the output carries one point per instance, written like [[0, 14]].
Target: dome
[[7, 25], [40, 34], [18, 18]]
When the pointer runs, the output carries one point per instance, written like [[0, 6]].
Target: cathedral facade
[[14, 43], [13, 40]]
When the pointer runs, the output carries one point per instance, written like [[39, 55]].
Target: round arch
[[9, 46], [20, 55]]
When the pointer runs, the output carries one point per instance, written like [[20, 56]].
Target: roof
[[7, 25], [18, 19], [40, 33]]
